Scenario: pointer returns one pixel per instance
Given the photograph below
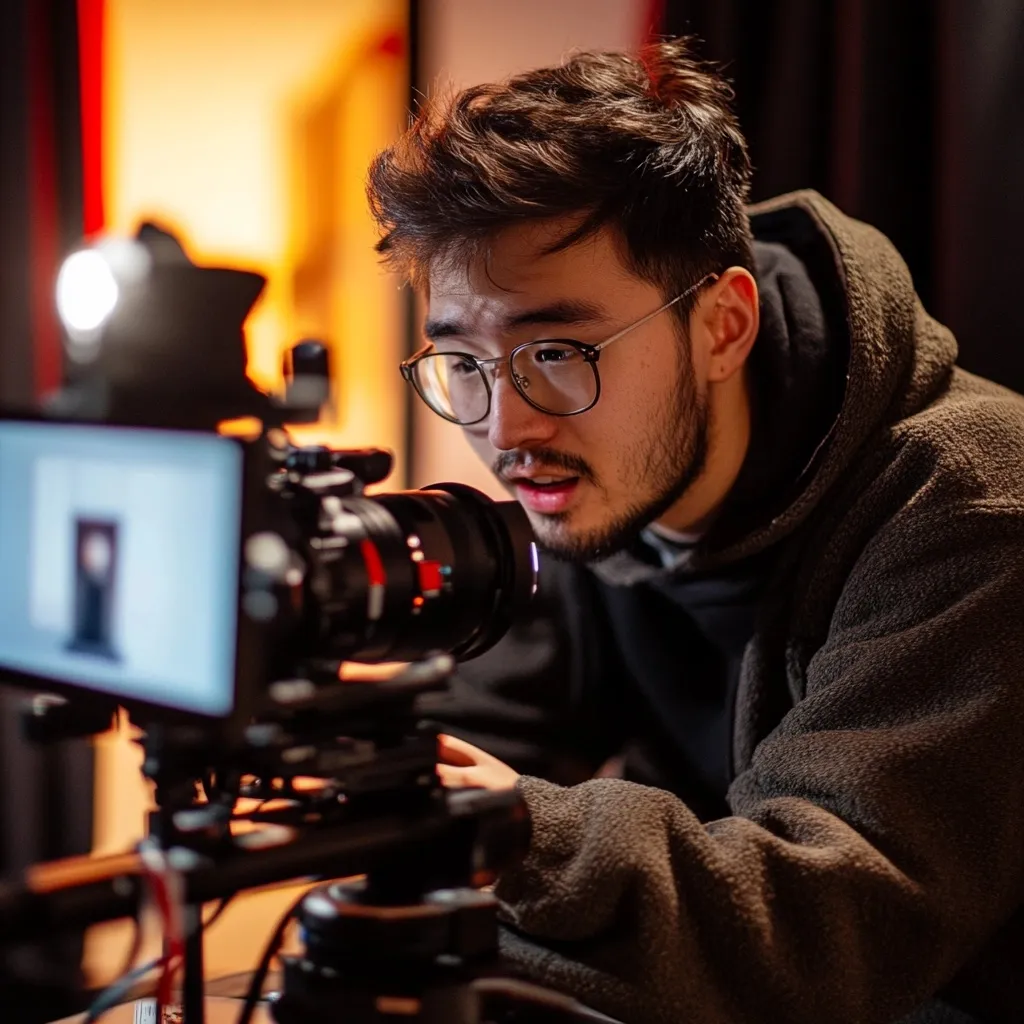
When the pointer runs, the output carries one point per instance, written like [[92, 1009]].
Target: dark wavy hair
[[646, 144]]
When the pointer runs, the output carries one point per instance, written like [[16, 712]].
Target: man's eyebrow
[[573, 312]]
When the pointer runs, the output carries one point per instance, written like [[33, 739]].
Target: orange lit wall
[[204, 103], [247, 126]]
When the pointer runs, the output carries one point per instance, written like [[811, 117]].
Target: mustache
[[510, 462]]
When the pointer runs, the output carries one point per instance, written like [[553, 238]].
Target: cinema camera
[[212, 586]]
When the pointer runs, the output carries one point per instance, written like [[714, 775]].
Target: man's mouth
[[546, 494]]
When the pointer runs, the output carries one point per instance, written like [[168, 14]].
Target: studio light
[[87, 293]]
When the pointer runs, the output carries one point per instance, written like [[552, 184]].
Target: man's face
[[588, 482]]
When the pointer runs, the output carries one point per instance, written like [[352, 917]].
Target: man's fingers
[[462, 766], [457, 778], [452, 750]]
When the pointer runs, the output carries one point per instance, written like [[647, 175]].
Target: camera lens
[[397, 576]]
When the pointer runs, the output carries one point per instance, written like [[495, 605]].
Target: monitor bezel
[[247, 660]]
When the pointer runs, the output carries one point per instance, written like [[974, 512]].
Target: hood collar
[[899, 357]]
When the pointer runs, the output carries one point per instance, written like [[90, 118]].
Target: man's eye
[[463, 368], [555, 354]]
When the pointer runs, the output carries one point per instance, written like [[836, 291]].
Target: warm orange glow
[[246, 128], [338, 290], [247, 427]]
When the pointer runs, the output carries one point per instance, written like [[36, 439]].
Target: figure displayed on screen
[[95, 590]]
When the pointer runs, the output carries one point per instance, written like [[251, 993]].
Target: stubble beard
[[671, 459]]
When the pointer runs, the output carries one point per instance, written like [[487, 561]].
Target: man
[[792, 598]]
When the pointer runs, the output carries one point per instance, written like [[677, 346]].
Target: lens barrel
[[398, 576]]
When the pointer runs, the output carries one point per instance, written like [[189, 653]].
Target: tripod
[[406, 940]]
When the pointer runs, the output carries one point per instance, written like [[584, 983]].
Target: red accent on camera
[[430, 577]]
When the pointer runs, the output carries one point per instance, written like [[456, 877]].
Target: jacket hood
[[899, 358]]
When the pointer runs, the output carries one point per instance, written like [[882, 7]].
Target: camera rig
[[326, 575], [411, 933]]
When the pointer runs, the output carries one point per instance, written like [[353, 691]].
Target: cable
[[252, 997], [173, 941], [119, 991], [166, 888], [221, 907], [136, 945], [134, 949]]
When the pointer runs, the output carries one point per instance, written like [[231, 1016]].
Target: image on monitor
[[95, 587]]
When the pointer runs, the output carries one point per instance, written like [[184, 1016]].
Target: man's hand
[[463, 766]]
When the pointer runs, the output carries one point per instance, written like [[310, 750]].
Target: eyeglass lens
[[552, 375]]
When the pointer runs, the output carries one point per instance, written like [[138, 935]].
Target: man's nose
[[513, 422]]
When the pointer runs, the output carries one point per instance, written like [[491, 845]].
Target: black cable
[[252, 997], [221, 907]]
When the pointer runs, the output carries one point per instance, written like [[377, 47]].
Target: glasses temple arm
[[661, 309]]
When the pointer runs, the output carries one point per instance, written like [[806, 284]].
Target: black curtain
[[46, 794], [908, 115]]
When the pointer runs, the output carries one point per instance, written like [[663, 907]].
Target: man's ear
[[730, 317]]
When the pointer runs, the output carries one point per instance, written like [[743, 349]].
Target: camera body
[[249, 566]]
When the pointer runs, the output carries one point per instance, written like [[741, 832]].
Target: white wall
[[465, 42]]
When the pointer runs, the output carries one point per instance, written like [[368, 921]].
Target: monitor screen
[[119, 561]]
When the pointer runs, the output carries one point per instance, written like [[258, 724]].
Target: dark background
[[908, 114], [46, 795]]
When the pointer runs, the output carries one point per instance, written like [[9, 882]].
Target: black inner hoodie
[[677, 637]]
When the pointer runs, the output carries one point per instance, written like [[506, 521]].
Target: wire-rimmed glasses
[[557, 376]]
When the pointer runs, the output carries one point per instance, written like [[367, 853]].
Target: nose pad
[[521, 382]]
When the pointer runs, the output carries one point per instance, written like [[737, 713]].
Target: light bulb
[[87, 293]]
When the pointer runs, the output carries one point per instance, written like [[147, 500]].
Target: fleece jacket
[[871, 866]]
